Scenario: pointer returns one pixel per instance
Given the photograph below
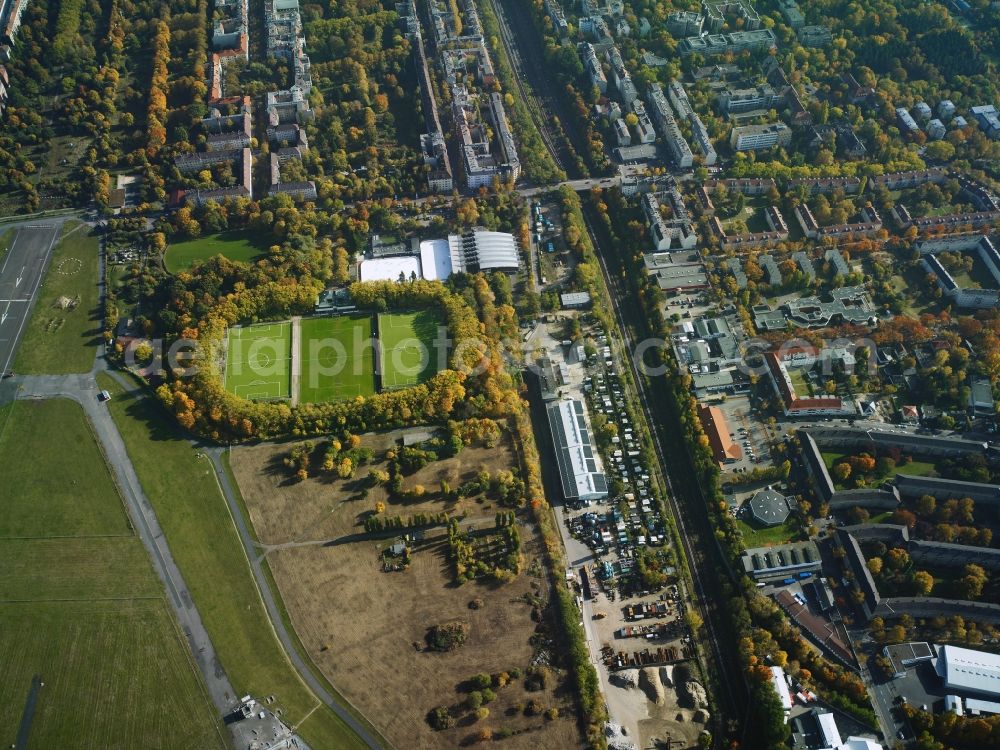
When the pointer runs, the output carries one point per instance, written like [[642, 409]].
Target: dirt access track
[[365, 629]]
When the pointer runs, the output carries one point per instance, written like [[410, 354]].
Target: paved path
[[83, 390], [249, 547], [296, 357]]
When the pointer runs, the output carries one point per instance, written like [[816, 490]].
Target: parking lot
[[921, 687], [627, 624]]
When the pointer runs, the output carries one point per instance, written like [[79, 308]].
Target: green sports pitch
[[409, 347], [241, 246], [258, 361], [338, 359]]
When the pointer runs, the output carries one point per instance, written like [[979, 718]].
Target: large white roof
[[781, 686], [860, 743], [435, 259], [965, 669], [496, 250], [828, 728], [388, 269]]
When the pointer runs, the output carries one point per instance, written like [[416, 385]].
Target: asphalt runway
[[22, 269]]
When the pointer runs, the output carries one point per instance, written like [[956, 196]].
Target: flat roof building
[[781, 688], [580, 471], [756, 137], [964, 669]]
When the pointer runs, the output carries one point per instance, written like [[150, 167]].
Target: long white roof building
[[580, 470], [969, 670]]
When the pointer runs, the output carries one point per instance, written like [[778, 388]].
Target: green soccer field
[[338, 361], [409, 351], [258, 361]]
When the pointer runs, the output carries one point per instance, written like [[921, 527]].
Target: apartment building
[[757, 137], [679, 149]]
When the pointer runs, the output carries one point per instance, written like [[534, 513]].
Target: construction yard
[[367, 627]]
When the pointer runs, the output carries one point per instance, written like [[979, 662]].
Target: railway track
[[704, 600], [513, 54]]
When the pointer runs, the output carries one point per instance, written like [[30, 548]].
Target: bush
[[481, 681], [440, 719], [534, 708], [475, 700], [448, 636], [482, 713], [539, 678], [488, 695], [552, 714]]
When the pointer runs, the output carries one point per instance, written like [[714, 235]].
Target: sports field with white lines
[[259, 361]]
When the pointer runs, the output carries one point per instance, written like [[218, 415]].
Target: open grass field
[[239, 246], [116, 674], [916, 468], [338, 358], [80, 605], [61, 340], [55, 481], [259, 361], [409, 348], [206, 547], [365, 628], [754, 536]]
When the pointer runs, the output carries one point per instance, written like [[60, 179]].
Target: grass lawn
[[259, 360], [799, 382], [205, 544], [55, 481], [409, 351], [80, 605], [916, 468], [757, 222], [977, 278], [239, 246], [338, 360], [759, 537], [58, 341]]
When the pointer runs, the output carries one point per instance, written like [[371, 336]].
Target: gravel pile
[[626, 678], [616, 736], [649, 681]]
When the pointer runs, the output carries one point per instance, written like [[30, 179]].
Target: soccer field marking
[[271, 390], [258, 330]]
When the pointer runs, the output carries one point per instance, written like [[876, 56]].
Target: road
[[22, 269]]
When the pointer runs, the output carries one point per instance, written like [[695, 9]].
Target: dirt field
[[366, 628]]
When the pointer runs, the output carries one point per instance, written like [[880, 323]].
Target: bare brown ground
[[365, 628]]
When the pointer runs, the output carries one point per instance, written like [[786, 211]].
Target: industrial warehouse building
[[766, 563], [580, 471], [968, 671]]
